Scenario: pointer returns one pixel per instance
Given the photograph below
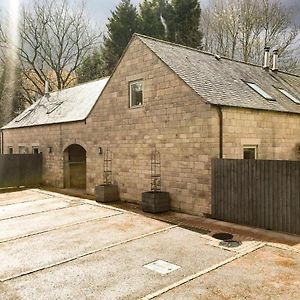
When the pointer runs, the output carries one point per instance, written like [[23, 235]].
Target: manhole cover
[[161, 266], [223, 236], [230, 244]]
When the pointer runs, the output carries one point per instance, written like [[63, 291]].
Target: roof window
[[24, 115], [52, 108], [289, 95], [259, 90]]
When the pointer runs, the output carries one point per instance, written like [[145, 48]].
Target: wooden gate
[[20, 170], [260, 193]]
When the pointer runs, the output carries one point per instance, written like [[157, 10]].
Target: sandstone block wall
[[275, 134], [174, 120]]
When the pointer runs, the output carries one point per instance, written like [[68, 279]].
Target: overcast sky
[[99, 10]]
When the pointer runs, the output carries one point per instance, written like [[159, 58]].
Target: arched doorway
[[75, 167]]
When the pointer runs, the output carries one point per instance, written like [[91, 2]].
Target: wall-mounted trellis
[[107, 171], [155, 171]]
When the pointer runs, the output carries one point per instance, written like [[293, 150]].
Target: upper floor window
[[136, 93], [289, 95], [259, 90]]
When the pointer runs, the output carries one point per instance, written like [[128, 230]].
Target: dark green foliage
[[151, 14], [120, 28], [172, 20], [183, 22], [92, 68]]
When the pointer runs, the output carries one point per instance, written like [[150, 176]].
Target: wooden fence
[[260, 193], [20, 170]]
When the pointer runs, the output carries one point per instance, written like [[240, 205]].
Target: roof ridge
[[208, 53], [74, 86]]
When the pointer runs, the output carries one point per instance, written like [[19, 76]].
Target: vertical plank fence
[[260, 193], [20, 170]]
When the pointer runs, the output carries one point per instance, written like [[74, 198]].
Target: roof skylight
[[259, 90], [24, 115], [289, 95], [53, 107]]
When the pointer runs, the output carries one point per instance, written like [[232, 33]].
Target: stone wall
[[275, 134], [174, 120]]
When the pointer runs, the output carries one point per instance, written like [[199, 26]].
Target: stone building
[[190, 105]]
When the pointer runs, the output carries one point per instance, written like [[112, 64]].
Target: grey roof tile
[[221, 82], [68, 105]]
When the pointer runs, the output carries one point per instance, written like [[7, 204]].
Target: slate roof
[[68, 105], [221, 82]]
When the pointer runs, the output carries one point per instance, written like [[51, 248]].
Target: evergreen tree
[[183, 21], [122, 24], [151, 18], [92, 67]]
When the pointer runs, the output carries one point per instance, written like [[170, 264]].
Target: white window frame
[[255, 147], [289, 95], [259, 90], [130, 95]]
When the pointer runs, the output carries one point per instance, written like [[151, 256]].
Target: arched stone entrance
[[75, 167]]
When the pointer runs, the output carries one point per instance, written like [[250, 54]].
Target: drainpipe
[[220, 112], [2, 142]]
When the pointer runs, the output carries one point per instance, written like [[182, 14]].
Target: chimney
[[275, 61], [46, 88], [267, 59]]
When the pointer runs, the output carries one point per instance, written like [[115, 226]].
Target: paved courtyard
[[54, 246]]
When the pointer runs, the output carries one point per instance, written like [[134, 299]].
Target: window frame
[[255, 147], [23, 115], [10, 150], [131, 83], [54, 107], [35, 148], [289, 95], [256, 88]]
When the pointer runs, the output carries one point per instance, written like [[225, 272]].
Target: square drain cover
[[161, 266]]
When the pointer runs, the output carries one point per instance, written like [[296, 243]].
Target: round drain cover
[[223, 236], [230, 244]]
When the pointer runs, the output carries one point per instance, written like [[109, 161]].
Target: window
[[53, 107], [35, 150], [24, 115], [289, 95], [23, 150], [250, 152], [10, 150], [260, 91], [136, 93]]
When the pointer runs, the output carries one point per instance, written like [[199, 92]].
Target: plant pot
[[155, 202], [106, 193]]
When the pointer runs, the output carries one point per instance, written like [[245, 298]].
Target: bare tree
[[242, 28], [55, 37]]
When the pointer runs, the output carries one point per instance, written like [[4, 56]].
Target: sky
[[100, 10]]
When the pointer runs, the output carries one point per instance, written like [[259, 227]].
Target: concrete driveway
[[54, 246]]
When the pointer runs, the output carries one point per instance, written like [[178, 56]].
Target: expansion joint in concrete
[[88, 253], [201, 273]]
